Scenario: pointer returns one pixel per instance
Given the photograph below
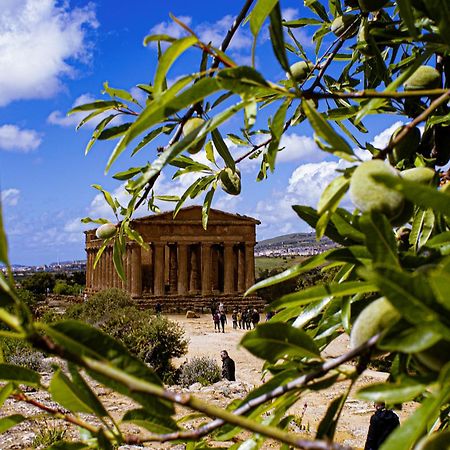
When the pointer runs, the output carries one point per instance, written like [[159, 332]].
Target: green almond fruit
[[425, 77], [341, 24], [230, 181], [373, 319], [191, 125], [371, 5], [422, 175], [106, 231], [368, 195], [300, 70], [406, 147]]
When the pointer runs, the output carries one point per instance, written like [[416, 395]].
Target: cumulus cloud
[[10, 197], [38, 41], [14, 139]]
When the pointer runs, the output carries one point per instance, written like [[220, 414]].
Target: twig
[[408, 127]]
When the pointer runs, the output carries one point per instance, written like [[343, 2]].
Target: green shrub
[[63, 288], [154, 339], [47, 436], [18, 352], [202, 369]]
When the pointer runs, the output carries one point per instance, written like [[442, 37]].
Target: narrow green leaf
[[99, 104], [260, 13], [391, 393], [158, 38], [206, 207], [113, 132], [209, 150], [119, 93], [332, 194], [243, 80], [292, 272], [5, 392], [149, 137], [107, 196], [407, 14], [380, 239], [440, 283], [118, 259], [127, 174], [150, 422], [10, 421], [10, 372], [168, 58], [327, 426], [274, 341], [322, 291], [277, 37], [222, 149], [323, 129], [98, 130]]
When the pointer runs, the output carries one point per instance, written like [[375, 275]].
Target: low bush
[[18, 352], [154, 339], [202, 369], [63, 288], [47, 436]]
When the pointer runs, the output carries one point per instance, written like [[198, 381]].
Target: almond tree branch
[[408, 127]]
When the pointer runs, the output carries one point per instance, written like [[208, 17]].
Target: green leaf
[[99, 104], [380, 239], [73, 397], [166, 106], [222, 149], [412, 340], [421, 195], [338, 145], [422, 228], [206, 207], [322, 291], [150, 422], [118, 259], [119, 93], [332, 194], [5, 392], [327, 426], [158, 38], [276, 131], [274, 341], [440, 282], [113, 132], [98, 130], [107, 196], [407, 14], [87, 394], [260, 13], [168, 58], [391, 393], [10, 421], [127, 174], [292, 272], [242, 80], [277, 37], [209, 150], [148, 138], [10, 372], [84, 340], [3, 241]]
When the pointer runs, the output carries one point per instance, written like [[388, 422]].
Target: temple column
[[183, 279], [173, 268], [128, 268], [228, 268], [241, 268], [88, 269], [249, 265], [136, 271], [158, 268], [206, 268], [194, 272], [94, 271]]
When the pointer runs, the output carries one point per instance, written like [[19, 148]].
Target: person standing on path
[[228, 367], [382, 423], [223, 321]]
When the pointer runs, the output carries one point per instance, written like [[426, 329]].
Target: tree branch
[[408, 127]]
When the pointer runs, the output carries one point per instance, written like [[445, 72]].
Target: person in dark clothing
[[382, 423], [228, 367], [216, 319], [158, 308], [223, 321]]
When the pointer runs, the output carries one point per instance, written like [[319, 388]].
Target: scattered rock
[[192, 315]]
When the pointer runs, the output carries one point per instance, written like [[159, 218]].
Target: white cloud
[[382, 139], [289, 14], [38, 38], [10, 197], [12, 138], [171, 28]]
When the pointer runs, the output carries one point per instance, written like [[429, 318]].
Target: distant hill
[[293, 244]]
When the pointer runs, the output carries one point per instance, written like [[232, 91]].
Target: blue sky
[[56, 54]]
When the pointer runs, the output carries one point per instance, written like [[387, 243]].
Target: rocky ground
[[204, 341]]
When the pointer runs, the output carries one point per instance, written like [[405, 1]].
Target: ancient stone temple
[[185, 267]]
